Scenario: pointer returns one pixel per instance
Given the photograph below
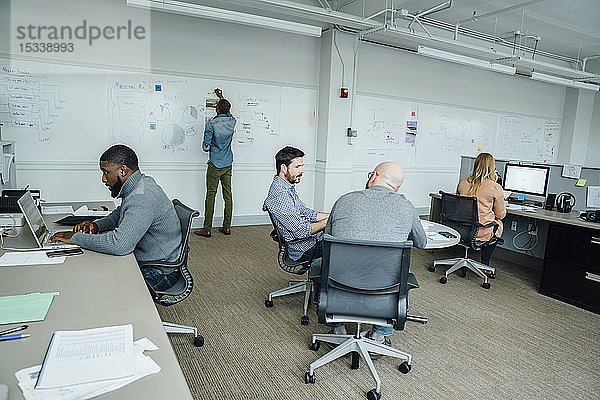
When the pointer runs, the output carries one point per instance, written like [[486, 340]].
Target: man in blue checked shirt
[[293, 219], [218, 134]]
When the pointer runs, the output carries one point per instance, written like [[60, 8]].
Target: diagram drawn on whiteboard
[[28, 101], [145, 110]]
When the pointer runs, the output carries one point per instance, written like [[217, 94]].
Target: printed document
[[29, 258], [90, 355], [144, 366]]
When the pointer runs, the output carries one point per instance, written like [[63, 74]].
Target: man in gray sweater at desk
[[145, 223], [377, 213]]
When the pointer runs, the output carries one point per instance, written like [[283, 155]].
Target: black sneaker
[[386, 341]]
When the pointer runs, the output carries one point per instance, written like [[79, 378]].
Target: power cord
[[528, 245]]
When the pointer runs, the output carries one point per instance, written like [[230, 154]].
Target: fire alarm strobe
[[344, 93]]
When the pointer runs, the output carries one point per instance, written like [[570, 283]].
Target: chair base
[[458, 263], [294, 286], [175, 328], [356, 345]]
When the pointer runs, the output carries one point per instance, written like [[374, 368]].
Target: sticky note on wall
[[581, 182]]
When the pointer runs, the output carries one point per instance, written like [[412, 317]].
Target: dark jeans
[[486, 254], [213, 176], [159, 281], [313, 253]]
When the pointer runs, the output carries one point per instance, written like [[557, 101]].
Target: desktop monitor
[[526, 179]]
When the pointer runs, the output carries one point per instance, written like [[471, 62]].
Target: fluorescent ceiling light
[[582, 85], [460, 59], [536, 76], [196, 10]]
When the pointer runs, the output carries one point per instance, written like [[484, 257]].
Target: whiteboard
[[164, 116], [420, 134], [53, 112], [67, 113]]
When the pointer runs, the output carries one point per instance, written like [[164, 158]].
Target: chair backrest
[[460, 213], [365, 279], [283, 258], [183, 287]]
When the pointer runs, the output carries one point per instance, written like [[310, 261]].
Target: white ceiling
[[563, 25], [569, 28]]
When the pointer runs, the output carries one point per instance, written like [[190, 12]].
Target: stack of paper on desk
[[85, 211], [143, 366], [90, 355]]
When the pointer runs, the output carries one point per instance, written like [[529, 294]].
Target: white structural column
[[577, 125], [334, 156]]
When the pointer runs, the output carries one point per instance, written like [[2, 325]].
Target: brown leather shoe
[[225, 231], [202, 232]]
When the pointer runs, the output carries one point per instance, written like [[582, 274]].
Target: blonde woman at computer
[[490, 200]]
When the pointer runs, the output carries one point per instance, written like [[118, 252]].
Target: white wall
[[195, 47], [593, 149], [389, 73]]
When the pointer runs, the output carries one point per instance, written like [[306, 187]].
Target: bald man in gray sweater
[[377, 213]]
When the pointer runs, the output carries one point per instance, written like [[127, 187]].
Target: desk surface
[[430, 227], [571, 218], [95, 290]]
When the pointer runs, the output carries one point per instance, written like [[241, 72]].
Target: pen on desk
[[12, 337], [17, 329]]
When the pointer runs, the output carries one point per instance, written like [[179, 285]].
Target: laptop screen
[[34, 217]]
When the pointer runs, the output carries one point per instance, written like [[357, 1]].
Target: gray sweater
[[145, 223], [377, 213]]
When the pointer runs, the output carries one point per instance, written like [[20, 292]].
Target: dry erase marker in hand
[[13, 337]]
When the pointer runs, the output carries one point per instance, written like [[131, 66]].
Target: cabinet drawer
[[578, 246], [575, 285]]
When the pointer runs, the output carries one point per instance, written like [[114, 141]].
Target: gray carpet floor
[[508, 342]]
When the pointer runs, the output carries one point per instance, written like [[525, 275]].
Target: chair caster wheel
[[199, 341], [485, 285], [308, 378], [304, 320], [443, 279], [463, 272], [404, 367], [492, 276], [355, 360], [373, 395], [314, 346], [431, 268], [268, 303]]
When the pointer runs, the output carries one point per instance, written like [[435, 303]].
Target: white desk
[[434, 227], [95, 290]]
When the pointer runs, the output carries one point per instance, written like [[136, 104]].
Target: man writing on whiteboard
[[218, 134]]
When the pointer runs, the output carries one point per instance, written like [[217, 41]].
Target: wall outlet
[[532, 229], [513, 226]]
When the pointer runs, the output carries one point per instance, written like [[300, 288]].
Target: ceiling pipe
[[586, 59], [357, 23]]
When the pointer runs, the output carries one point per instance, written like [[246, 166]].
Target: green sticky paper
[[581, 182], [25, 307]]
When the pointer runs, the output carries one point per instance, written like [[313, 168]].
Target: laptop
[[38, 226]]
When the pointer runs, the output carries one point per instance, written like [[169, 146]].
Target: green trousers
[[213, 176]]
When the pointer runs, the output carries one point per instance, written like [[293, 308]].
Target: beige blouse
[[490, 204]]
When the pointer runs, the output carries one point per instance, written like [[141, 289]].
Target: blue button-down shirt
[[291, 216], [218, 134]]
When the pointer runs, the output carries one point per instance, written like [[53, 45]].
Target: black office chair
[[363, 282], [460, 213], [184, 285], [293, 267]]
